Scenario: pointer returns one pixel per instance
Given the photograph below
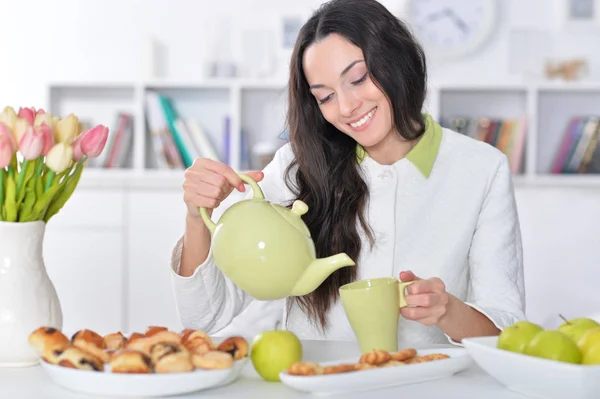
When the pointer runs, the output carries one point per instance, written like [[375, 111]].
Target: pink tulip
[[31, 144], [5, 131], [93, 141], [77, 154], [28, 114], [46, 132], [40, 112], [7, 149]]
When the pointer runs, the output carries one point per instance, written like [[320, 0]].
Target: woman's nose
[[348, 104]]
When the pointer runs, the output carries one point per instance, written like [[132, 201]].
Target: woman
[[384, 184]]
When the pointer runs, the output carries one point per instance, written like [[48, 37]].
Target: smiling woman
[[384, 183]]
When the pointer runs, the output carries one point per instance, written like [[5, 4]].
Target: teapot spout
[[318, 271]]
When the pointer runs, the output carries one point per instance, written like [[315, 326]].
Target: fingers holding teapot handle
[[224, 170]]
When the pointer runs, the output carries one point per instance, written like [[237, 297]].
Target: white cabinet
[[561, 252], [83, 250], [155, 221]]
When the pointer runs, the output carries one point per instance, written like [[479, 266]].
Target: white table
[[32, 382]]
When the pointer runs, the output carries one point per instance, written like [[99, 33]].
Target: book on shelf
[[579, 151], [176, 140], [506, 134], [119, 143]]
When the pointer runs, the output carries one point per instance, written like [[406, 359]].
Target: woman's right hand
[[208, 182]]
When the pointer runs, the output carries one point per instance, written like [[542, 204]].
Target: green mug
[[373, 309]]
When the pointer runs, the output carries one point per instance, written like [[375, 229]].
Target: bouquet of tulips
[[41, 160]]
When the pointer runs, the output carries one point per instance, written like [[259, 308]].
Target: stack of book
[[176, 141], [119, 144], [579, 151], [508, 135]]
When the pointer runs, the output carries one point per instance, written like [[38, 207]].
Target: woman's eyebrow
[[345, 71]]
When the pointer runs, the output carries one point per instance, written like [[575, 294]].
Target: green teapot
[[266, 249]]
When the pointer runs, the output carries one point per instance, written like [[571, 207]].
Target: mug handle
[[401, 287], [258, 194]]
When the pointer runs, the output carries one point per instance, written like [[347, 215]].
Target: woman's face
[[348, 98]]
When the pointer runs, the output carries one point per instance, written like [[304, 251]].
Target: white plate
[[115, 384], [380, 378], [532, 376]]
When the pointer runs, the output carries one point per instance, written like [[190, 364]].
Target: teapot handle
[[258, 194]]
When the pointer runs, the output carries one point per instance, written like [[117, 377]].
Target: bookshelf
[[253, 111]]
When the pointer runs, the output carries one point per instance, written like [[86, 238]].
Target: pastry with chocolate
[[130, 362], [74, 357], [44, 337], [175, 362], [237, 347]]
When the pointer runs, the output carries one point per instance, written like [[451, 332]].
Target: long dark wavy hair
[[327, 175]]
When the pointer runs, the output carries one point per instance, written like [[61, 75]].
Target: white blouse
[[460, 224]]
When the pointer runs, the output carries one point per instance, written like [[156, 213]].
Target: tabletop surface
[[32, 382]]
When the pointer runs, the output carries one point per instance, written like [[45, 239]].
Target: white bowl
[[380, 378], [106, 383], [532, 376]]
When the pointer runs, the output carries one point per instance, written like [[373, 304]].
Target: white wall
[[42, 41], [103, 39]]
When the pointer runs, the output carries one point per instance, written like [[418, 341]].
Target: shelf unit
[[256, 109]]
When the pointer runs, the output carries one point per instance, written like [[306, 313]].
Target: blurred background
[[179, 79]]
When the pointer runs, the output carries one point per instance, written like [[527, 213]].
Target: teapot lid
[[293, 216]]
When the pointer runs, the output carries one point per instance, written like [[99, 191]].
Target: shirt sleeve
[[208, 300], [497, 288]]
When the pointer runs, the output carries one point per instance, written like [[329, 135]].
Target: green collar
[[424, 153]]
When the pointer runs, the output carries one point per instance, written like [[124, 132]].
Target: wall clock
[[450, 29]]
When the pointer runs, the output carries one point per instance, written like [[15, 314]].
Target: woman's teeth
[[364, 119]]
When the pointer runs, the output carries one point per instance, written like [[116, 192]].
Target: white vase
[[28, 299]]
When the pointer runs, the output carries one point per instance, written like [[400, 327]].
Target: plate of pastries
[[375, 369], [158, 362]]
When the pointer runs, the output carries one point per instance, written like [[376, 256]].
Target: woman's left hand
[[427, 299]]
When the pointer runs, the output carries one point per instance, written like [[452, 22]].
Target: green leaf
[[26, 213], [29, 173], [40, 207], [39, 187], [60, 200], [10, 202], [14, 163]]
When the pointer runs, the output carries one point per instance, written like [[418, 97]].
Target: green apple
[[575, 328], [589, 339], [275, 351], [592, 354], [554, 345], [516, 337]]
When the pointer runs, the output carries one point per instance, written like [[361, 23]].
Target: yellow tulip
[[66, 129], [59, 157], [21, 126], [44, 118], [8, 117], [55, 120]]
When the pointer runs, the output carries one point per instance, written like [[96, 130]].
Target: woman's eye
[[364, 77], [324, 100]]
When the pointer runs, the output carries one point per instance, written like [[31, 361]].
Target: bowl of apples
[[543, 363]]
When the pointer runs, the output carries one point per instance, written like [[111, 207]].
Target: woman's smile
[[362, 123]]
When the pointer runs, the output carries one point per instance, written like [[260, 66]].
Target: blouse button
[[387, 175]]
